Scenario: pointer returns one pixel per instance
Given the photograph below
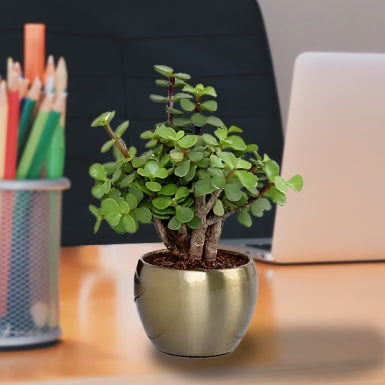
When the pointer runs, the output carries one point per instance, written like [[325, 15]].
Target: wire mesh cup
[[30, 228]]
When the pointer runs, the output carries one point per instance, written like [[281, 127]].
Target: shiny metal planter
[[195, 313]]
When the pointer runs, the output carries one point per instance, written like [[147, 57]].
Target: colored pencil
[[34, 51], [49, 75], [12, 126], [40, 153], [34, 137], [56, 152], [3, 125], [5, 210], [26, 115]]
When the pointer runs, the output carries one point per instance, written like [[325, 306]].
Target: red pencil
[[13, 125]]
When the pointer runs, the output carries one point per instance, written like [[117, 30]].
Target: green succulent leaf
[[188, 141], [97, 191], [143, 215], [259, 206], [276, 196], [229, 158], [210, 105], [182, 76], [163, 70], [234, 129], [220, 133], [162, 82], [198, 119], [195, 223], [121, 129], [106, 146], [296, 183], [195, 156], [162, 202], [153, 186], [218, 208], [210, 91], [97, 171], [244, 218], [246, 178], [216, 161], [132, 201], [136, 192], [124, 207], [103, 119], [210, 140], [182, 95], [214, 121], [203, 187], [174, 111], [271, 169], [169, 189], [187, 105], [244, 164], [130, 224], [280, 184], [158, 98], [182, 193], [233, 192], [110, 206], [174, 223], [177, 156], [184, 214], [183, 168], [139, 161], [237, 143], [181, 122]]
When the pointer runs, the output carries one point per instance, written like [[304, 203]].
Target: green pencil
[[28, 108], [34, 137], [40, 154]]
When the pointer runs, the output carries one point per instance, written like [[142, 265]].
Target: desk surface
[[313, 324]]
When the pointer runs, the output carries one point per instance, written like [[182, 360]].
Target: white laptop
[[335, 139]]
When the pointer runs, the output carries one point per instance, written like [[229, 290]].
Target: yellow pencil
[[3, 124]]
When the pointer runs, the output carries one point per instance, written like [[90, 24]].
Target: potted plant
[[193, 298]]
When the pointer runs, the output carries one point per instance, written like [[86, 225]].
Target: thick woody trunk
[[198, 236], [213, 235], [176, 244]]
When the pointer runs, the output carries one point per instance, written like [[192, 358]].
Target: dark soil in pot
[[225, 260]]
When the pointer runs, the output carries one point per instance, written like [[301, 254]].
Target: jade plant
[[196, 173]]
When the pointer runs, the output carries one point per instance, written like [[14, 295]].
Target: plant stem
[[196, 110], [170, 102], [118, 142]]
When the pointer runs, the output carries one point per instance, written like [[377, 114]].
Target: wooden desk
[[314, 324]]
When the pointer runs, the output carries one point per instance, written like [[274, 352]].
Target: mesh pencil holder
[[30, 227]]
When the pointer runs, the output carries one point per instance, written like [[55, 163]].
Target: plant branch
[[196, 110], [213, 199], [170, 102], [118, 142]]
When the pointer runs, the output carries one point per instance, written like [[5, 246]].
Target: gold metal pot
[[195, 313]]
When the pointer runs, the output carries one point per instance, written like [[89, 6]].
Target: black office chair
[[110, 48]]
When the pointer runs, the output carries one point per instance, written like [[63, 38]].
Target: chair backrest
[[110, 48]]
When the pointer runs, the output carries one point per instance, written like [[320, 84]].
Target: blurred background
[[244, 48]]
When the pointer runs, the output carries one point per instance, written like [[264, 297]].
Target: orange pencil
[[34, 51], [12, 126]]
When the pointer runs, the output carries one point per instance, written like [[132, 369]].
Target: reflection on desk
[[313, 324]]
